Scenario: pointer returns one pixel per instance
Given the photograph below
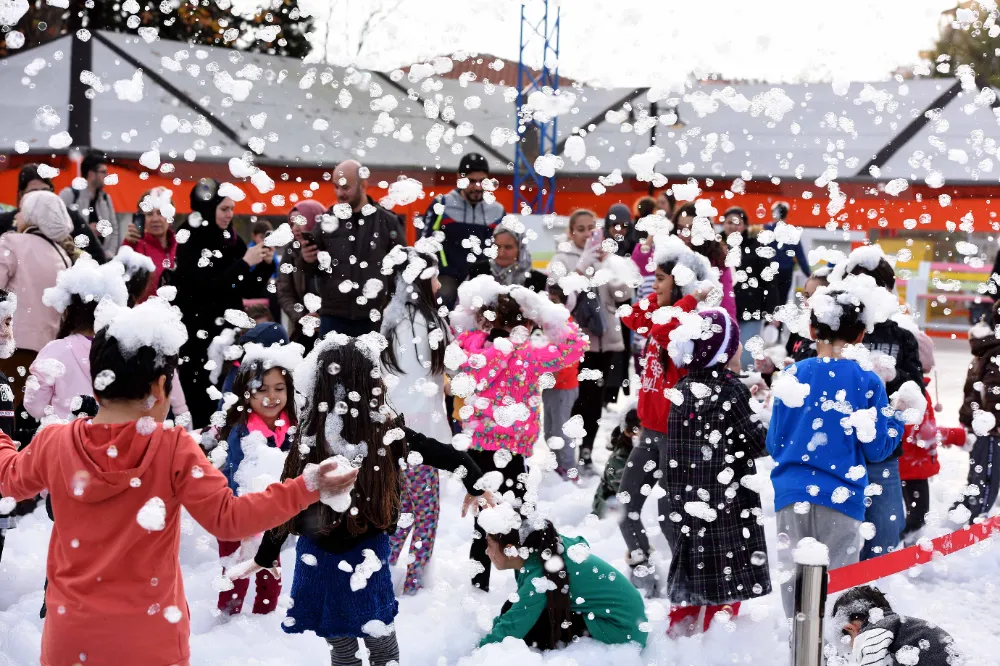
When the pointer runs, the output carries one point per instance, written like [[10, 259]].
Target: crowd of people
[[347, 367]]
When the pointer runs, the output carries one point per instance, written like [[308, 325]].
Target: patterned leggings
[[422, 498]]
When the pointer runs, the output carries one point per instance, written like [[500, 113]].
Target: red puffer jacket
[[658, 371], [920, 460]]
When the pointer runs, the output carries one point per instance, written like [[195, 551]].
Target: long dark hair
[[341, 370], [136, 284], [676, 293], [546, 544], [248, 380], [713, 250], [420, 299], [78, 316]]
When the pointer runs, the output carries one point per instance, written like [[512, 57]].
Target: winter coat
[[728, 295], [982, 381], [510, 381], [339, 538], [756, 297], [6, 406], [29, 263], [52, 386], [658, 372], [356, 247], [291, 289], [101, 574], [611, 607], [95, 211], [788, 255], [721, 522], [458, 221], [896, 640], [920, 459], [818, 459], [415, 391], [893, 340], [610, 295], [163, 259], [276, 439]]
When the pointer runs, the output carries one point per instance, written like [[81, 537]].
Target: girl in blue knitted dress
[[342, 587]]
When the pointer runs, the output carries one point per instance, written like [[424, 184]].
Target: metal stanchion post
[[807, 624]]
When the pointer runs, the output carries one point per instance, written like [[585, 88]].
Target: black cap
[[472, 162]]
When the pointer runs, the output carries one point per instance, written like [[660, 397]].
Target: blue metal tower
[[536, 137]]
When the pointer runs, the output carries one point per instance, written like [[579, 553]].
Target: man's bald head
[[349, 184]]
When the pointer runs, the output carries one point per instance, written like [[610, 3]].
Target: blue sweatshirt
[[786, 261], [817, 459]]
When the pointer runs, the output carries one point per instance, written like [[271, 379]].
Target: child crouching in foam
[[713, 436], [564, 592], [829, 418], [261, 415], [125, 477], [501, 366]]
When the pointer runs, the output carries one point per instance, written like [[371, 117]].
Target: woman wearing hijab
[[619, 227], [292, 284], [215, 272], [512, 263]]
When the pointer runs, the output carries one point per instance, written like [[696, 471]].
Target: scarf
[[517, 272]]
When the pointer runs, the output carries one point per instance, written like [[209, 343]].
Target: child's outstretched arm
[[661, 332], [566, 346], [22, 474], [207, 497], [446, 457], [518, 620]]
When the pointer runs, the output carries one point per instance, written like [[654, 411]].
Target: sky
[[652, 43]]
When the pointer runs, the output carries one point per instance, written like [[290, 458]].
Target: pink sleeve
[[564, 353], [210, 501], [37, 399], [177, 401], [728, 296], [472, 343], [641, 258], [22, 473]]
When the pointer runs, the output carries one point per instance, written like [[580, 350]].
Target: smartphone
[[139, 220], [307, 237], [598, 235]]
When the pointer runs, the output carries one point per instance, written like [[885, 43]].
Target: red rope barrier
[[901, 560]]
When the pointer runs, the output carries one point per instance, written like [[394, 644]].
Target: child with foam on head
[[260, 414], [342, 587], [61, 371], [500, 363], [623, 439], [683, 280], [879, 636], [713, 436], [894, 335], [412, 366], [564, 592], [830, 417], [118, 483]]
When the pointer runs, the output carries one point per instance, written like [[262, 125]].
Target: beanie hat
[[265, 333], [205, 199], [47, 212], [718, 341], [472, 162], [618, 214], [310, 210]]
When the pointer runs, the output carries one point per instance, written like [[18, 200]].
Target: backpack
[[587, 312]]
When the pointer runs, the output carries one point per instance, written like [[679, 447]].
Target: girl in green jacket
[[563, 591]]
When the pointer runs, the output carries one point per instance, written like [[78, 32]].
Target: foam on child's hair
[[153, 323]]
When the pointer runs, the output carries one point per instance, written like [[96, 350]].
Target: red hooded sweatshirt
[[116, 594], [658, 372]]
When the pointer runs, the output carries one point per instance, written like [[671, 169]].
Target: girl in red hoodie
[[683, 278], [118, 482]]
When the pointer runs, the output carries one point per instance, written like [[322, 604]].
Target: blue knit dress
[[323, 600]]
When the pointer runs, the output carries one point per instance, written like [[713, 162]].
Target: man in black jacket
[[345, 265]]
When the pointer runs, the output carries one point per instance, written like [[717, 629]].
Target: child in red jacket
[[118, 483], [683, 278]]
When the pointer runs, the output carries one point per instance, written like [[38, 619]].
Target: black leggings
[[917, 499], [344, 650], [590, 401], [514, 475]]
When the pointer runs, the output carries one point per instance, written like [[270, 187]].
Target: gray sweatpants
[[645, 467], [837, 531], [558, 406]]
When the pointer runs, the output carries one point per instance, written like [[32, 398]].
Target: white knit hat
[[47, 211]]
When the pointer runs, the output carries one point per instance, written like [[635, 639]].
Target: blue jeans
[[350, 327], [887, 511], [748, 329]]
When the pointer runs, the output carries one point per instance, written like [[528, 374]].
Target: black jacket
[[755, 296], [339, 539], [6, 406], [905, 640], [892, 339], [356, 247]]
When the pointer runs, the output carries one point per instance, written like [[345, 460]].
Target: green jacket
[[611, 606]]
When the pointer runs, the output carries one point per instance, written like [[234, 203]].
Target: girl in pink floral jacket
[[500, 364]]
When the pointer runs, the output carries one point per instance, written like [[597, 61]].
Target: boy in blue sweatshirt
[[830, 415]]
